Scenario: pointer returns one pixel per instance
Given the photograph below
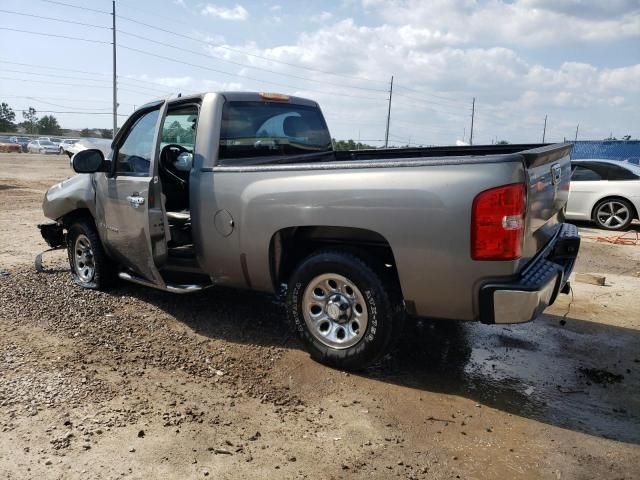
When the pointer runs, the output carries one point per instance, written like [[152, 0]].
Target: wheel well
[[614, 197], [289, 246], [80, 214]]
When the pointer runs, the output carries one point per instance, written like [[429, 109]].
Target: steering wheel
[[167, 156]]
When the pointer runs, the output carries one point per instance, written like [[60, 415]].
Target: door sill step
[[173, 288]]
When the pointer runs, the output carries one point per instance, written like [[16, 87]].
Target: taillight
[[497, 223]]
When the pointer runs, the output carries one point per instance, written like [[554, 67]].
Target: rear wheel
[[90, 266], [613, 214], [341, 310]]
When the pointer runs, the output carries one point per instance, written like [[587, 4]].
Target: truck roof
[[262, 96], [245, 97]]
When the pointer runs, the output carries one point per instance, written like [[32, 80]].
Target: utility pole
[[115, 86], [544, 130], [577, 127], [386, 135], [473, 113]]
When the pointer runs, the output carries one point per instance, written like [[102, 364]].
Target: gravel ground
[[135, 383]]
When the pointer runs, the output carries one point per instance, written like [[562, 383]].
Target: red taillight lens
[[497, 223]]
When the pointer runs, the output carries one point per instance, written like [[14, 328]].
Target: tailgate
[[549, 173]]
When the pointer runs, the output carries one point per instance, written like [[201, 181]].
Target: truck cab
[[151, 206]]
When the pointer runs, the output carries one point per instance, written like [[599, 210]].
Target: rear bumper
[[537, 286]]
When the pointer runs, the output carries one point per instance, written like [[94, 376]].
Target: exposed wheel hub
[[339, 308]]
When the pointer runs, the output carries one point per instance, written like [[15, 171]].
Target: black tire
[[385, 316], [103, 272], [600, 221]]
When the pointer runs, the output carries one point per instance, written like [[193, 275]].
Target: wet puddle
[[583, 376]]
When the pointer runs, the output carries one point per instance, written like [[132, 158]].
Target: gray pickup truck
[[245, 190]]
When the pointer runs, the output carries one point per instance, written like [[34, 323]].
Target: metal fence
[[610, 149]]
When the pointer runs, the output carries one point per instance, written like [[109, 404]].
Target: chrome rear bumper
[[524, 298]]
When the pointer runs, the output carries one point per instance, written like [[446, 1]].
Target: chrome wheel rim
[[612, 214], [335, 311], [84, 263]]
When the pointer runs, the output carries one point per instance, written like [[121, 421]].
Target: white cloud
[[520, 22], [236, 13], [513, 93], [322, 17]]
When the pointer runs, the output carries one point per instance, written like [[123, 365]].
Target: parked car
[[22, 141], [352, 241], [51, 139], [606, 192], [9, 146], [42, 146], [65, 144], [103, 144]]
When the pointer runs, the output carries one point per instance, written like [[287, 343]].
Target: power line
[[68, 37], [58, 105], [425, 100], [209, 56], [194, 65], [75, 99], [242, 76], [79, 7], [54, 83], [64, 20], [65, 69], [428, 94], [39, 74], [124, 76], [74, 112], [235, 50]]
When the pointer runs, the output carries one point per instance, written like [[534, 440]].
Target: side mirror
[[88, 161]]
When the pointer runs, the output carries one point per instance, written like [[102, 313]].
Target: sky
[[577, 62]]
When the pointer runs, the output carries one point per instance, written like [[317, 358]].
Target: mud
[[134, 383]]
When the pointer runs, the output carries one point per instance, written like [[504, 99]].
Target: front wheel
[[613, 214], [90, 266], [341, 310]]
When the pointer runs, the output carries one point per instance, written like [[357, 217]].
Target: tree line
[[47, 124]]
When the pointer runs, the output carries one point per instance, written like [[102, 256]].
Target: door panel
[[581, 196], [127, 201]]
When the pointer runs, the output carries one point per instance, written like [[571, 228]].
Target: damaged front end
[[53, 234]]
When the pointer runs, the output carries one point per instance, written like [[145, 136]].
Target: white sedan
[[42, 146], [606, 192]]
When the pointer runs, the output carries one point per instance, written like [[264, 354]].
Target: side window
[[134, 155], [621, 173], [584, 174], [180, 127]]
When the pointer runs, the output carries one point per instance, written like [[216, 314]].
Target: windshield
[[5, 139], [258, 129], [45, 142]]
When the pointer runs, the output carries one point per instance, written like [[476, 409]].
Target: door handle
[[135, 200]]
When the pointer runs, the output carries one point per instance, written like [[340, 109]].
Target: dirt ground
[[135, 383]]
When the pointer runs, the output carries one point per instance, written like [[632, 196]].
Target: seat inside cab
[[174, 167]]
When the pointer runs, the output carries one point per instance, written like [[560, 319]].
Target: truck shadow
[[570, 373]]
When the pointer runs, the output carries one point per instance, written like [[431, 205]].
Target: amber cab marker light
[[275, 97]]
